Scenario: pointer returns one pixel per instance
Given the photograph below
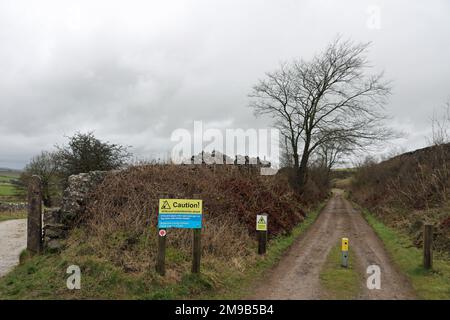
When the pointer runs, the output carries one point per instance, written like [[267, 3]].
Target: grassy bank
[[44, 277], [434, 284], [340, 283]]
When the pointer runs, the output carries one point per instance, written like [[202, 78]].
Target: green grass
[[8, 191], [434, 284], [8, 175], [12, 215], [338, 282], [44, 277]]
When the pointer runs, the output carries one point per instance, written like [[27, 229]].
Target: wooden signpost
[[196, 251], [428, 246], [160, 259], [261, 230], [184, 214]]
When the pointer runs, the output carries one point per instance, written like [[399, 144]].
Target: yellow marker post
[[344, 249]]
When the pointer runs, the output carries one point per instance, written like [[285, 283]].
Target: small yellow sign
[[261, 222], [180, 206], [344, 244]]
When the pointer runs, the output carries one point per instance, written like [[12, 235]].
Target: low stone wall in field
[[12, 207]]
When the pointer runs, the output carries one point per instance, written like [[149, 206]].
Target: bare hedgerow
[[121, 220], [409, 190]]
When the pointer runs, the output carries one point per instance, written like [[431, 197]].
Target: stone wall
[[57, 221], [12, 207]]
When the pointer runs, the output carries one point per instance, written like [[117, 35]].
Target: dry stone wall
[[12, 207], [57, 221]]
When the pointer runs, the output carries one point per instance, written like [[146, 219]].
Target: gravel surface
[[13, 239], [297, 274]]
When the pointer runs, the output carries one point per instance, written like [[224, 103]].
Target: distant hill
[[424, 154], [9, 170]]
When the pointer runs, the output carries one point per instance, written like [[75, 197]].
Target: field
[[8, 191]]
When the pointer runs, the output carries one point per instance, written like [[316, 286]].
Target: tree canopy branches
[[329, 100]]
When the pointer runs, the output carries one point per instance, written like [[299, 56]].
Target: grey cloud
[[134, 71]]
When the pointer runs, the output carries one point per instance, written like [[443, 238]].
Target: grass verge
[[12, 215], [339, 283], [44, 276], [433, 284]]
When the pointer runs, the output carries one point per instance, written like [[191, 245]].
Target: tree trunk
[[302, 171], [296, 163]]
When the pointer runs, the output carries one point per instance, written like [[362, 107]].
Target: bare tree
[[439, 126], [325, 100], [276, 96], [43, 165], [331, 154]]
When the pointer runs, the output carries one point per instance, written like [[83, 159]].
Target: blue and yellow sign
[[180, 213]]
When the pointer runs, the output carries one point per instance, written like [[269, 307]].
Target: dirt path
[[297, 275], [13, 240]]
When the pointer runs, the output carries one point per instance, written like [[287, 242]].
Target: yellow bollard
[[344, 249]]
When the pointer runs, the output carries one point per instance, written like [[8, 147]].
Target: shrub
[[121, 219]]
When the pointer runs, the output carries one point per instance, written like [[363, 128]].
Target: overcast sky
[[133, 71]]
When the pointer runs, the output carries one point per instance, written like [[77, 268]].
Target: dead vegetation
[[120, 223], [408, 191]]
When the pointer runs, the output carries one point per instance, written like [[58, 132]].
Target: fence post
[[261, 230], [196, 250], [34, 225], [161, 258], [428, 246]]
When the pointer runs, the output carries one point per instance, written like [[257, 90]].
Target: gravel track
[[297, 274]]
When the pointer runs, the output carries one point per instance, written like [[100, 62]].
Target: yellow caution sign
[[261, 222], [180, 206], [344, 244]]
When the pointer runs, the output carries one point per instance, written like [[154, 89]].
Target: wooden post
[[261, 232], [196, 250], [262, 242], [428, 246], [161, 258], [34, 226]]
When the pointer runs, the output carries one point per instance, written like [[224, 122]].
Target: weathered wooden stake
[[261, 232], [161, 258], [428, 246], [262, 242], [34, 226], [196, 251]]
